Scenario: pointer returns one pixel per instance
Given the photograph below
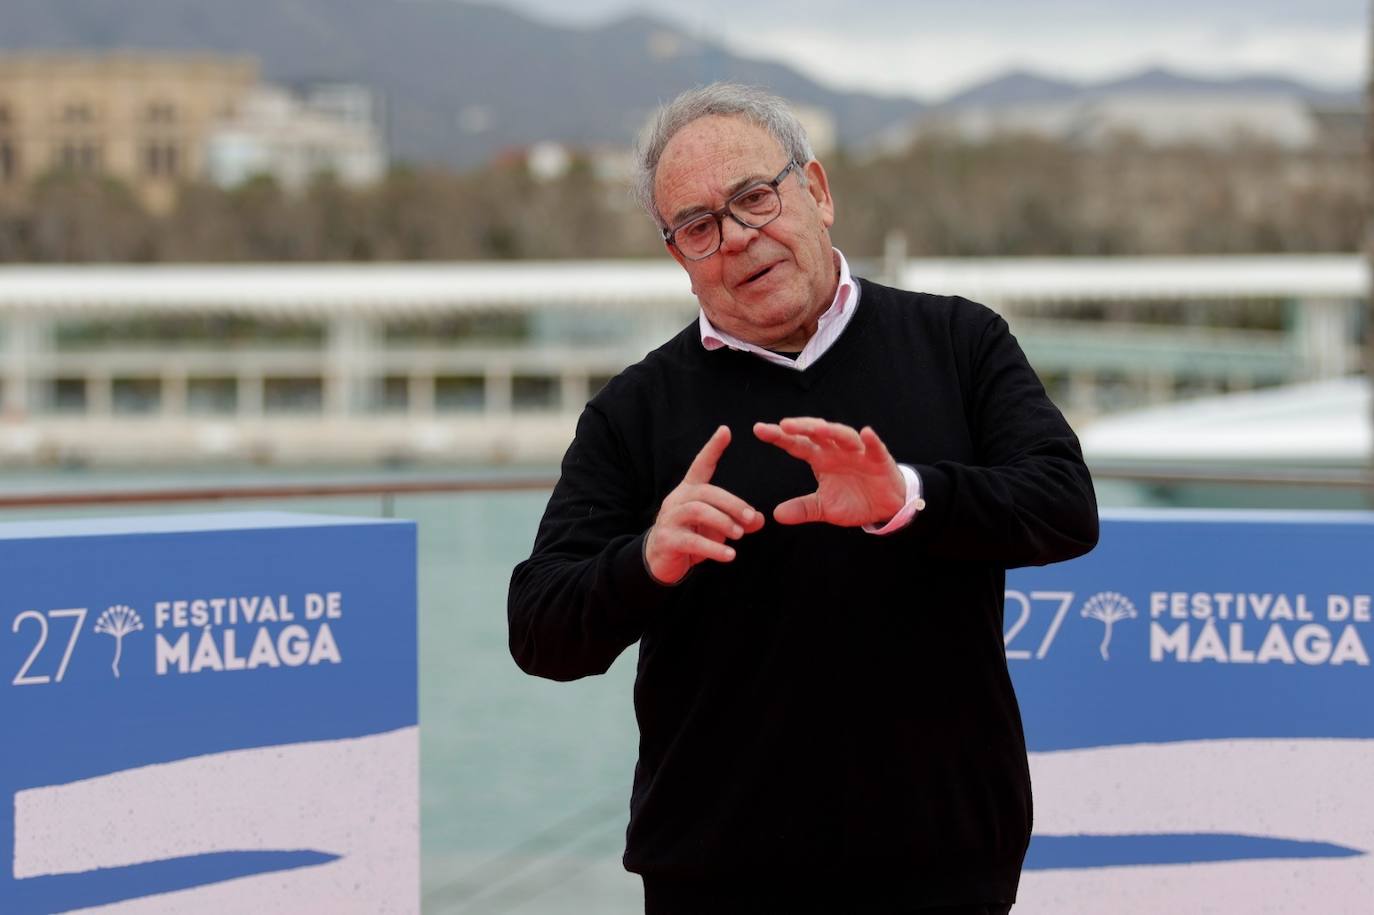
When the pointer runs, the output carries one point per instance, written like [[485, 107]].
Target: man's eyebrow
[[688, 212]]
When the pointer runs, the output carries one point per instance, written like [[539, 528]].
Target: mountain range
[[464, 81], [1021, 87]]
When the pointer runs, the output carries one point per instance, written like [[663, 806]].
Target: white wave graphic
[[1315, 790], [357, 798]]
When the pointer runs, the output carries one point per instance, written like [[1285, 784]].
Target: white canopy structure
[[379, 289], [362, 362], [382, 288], [1321, 424]]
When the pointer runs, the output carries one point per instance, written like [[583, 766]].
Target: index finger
[[704, 464]]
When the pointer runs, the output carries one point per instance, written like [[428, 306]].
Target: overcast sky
[[931, 47]]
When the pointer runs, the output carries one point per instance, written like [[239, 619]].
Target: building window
[[66, 395], [136, 395], [161, 160], [534, 393], [211, 396], [9, 162], [77, 113], [390, 394], [459, 392], [161, 113], [75, 156], [293, 395]]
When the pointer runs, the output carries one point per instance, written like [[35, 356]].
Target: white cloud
[[938, 46], [934, 63]]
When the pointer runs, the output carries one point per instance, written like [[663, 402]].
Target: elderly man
[[802, 507]]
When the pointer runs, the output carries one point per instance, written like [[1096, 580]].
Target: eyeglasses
[[754, 207]]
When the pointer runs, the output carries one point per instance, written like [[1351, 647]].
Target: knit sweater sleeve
[[582, 596], [1027, 498]]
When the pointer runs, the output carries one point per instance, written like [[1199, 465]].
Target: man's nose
[[734, 235]]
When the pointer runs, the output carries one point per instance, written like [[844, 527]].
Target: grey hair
[[721, 99]]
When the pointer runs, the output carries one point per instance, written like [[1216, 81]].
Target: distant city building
[[142, 118], [1158, 118], [330, 129], [1213, 120], [156, 120], [1341, 130], [820, 128], [548, 161]]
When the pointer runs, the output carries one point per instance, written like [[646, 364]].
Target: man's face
[[764, 286]]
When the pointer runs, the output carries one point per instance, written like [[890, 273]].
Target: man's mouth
[[757, 275]]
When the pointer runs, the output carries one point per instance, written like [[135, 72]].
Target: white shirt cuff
[[914, 504]]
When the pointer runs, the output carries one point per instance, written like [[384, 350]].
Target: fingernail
[[729, 553]]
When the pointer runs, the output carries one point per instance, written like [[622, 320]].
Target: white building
[[1160, 118], [331, 129]]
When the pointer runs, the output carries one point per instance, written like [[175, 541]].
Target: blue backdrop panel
[[131, 642], [1223, 624], [1169, 683]]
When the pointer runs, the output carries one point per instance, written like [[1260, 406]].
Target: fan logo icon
[[1108, 607], [118, 621]]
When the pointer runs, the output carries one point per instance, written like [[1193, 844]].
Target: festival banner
[[1199, 705], [209, 713]]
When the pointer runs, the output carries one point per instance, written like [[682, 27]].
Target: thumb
[[801, 510]]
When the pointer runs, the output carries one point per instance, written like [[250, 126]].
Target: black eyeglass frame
[[720, 214]]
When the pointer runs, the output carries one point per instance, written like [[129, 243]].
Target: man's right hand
[[696, 519]]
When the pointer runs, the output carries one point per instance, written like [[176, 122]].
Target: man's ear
[[818, 186]]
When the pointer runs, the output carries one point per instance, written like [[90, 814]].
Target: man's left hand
[[857, 480]]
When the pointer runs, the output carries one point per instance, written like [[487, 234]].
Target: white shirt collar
[[828, 327]]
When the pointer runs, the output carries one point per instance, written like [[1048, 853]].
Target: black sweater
[[832, 708]]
